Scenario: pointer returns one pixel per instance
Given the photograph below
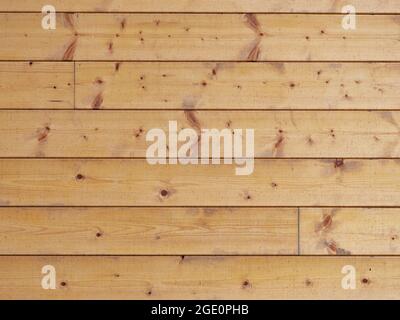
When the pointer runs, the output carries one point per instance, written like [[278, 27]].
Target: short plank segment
[[148, 231], [132, 85], [36, 85], [136, 183], [203, 277], [278, 134], [311, 6], [344, 231], [210, 37]]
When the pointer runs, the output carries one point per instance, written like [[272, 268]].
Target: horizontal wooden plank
[[148, 231], [132, 85], [136, 183], [370, 6], [211, 37], [36, 85], [344, 231], [200, 277], [278, 134]]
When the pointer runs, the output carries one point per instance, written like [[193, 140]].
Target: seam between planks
[[203, 255], [199, 110], [74, 86], [298, 232], [208, 12], [196, 206], [204, 61]]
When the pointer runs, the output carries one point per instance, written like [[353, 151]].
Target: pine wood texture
[[274, 85], [310, 6], [148, 231], [77, 192], [36, 85], [278, 134], [345, 231], [209, 277], [335, 182], [208, 37]]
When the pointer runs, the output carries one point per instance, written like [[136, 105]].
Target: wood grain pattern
[[193, 37], [199, 277], [133, 85], [370, 6], [278, 134], [136, 183], [76, 191], [148, 231], [344, 231], [35, 85]]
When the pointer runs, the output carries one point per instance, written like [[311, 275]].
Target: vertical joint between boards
[[74, 85], [298, 232]]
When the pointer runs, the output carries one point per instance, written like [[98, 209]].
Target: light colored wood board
[[25, 182], [205, 277], [312, 6], [278, 134], [211, 37], [33, 85], [148, 231], [345, 231], [274, 85]]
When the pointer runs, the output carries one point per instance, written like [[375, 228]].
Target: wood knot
[[325, 224], [164, 193], [139, 132], [43, 133], [99, 81], [339, 163], [123, 24], [97, 102], [80, 176], [246, 284]]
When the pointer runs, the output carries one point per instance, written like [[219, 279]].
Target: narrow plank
[[204, 277], [136, 183], [148, 231], [278, 134], [311, 6], [36, 85], [131, 85], [194, 37], [349, 231]]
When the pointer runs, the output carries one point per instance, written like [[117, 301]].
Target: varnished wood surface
[[148, 231], [208, 277], [77, 193], [199, 37], [296, 182], [277, 134], [223, 6], [275, 85]]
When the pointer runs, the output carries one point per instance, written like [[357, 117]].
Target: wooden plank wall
[[77, 193]]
